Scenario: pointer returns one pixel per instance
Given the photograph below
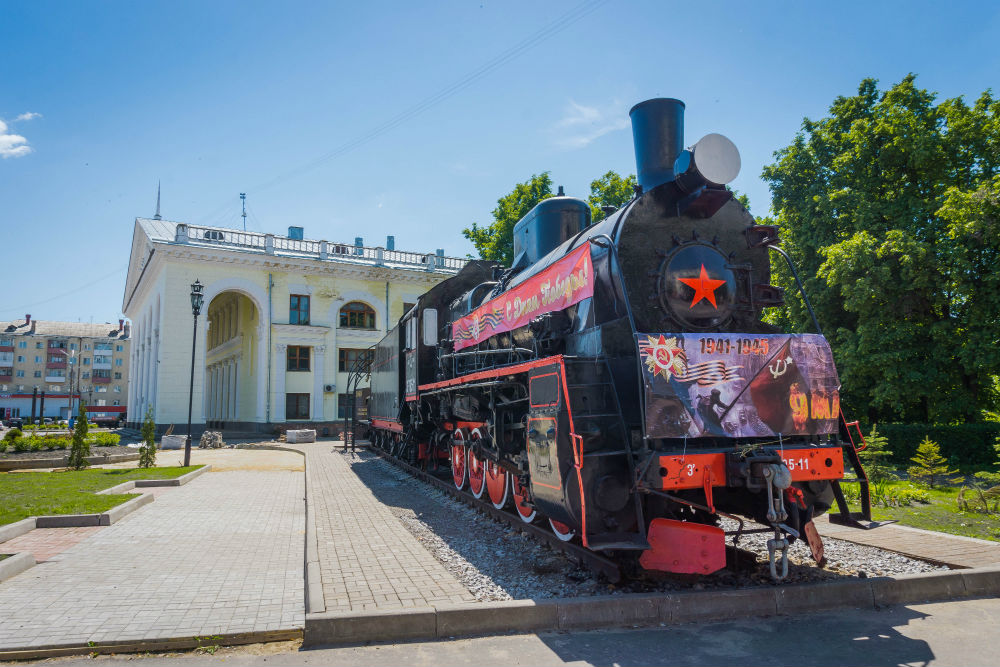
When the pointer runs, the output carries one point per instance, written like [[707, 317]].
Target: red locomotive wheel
[[526, 513], [497, 485], [562, 531], [477, 470], [458, 459]]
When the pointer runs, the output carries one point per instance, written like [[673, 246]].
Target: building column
[[319, 354], [156, 370], [279, 383], [236, 387]]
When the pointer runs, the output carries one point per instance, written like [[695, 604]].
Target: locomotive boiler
[[618, 381]]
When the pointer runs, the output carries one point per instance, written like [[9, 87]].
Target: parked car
[[14, 422]]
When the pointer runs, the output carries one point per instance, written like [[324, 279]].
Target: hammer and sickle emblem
[[779, 367]]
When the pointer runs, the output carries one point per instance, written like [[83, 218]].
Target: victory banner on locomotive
[[618, 382]]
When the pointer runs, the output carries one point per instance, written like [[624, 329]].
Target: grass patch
[[27, 494], [940, 514]]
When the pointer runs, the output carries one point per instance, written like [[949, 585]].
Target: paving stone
[[368, 560], [162, 571]]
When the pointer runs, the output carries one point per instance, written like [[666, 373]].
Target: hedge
[[962, 444]]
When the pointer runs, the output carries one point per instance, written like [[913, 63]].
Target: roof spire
[[157, 216]]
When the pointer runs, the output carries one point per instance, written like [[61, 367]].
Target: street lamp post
[[196, 300]]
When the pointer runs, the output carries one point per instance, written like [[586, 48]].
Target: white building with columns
[[283, 320]]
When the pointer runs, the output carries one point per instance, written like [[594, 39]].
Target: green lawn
[[940, 514], [24, 494]]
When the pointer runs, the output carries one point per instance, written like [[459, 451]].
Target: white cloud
[[12, 145], [31, 115], [580, 125]]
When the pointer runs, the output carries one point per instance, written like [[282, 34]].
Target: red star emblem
[[704, 287]]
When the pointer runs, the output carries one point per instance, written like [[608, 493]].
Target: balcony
[[102, 365], [6, 348], [100, 380], [57, 345], [56, 364], [270, 244], [55, 379], [6, 360], [5, 376]]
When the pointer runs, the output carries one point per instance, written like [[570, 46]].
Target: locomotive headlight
[[697, 286], [714, 160]]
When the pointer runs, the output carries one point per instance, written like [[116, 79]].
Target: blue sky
[[99, 101]]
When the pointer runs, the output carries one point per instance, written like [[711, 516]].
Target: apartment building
[[67, 361]]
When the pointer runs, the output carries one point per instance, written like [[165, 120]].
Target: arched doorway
[[232, 366]]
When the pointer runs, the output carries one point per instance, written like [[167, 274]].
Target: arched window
[[357, 315]]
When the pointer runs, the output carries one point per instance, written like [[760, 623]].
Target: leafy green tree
[[875, 456], [496, 240], [929, 466], [147, 451], [610, 190], [80, 450], [890, 207]]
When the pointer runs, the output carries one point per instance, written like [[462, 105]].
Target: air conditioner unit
[[329, 388]]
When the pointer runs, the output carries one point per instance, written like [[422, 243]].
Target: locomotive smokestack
[[658, 133]]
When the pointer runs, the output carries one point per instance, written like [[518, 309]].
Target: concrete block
[[16, 529], [68, 520], [982, 580], [846, 594], [16, 564], [717, 605], [610, 611], [918, 588], [173, 441], [357, 628], [300, 436], [458, 620]]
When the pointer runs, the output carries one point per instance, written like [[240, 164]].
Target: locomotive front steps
[[632, 610]]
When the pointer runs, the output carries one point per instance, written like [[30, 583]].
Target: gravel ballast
[[496, 561]]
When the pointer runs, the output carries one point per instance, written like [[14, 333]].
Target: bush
[[22, 444], [962, 444], [105, 439], [12, 434]]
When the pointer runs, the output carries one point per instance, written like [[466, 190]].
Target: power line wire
[[67, 293], [543, 33]]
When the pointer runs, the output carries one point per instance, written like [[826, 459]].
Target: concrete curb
[[125, 487], [16, 529], [441, 621], [32, 464], [148, 645], [16, 564], [113, 515]]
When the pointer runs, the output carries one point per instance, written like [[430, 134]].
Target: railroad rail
[[590, 559]]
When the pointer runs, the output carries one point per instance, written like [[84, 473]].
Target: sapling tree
[[929, 466], [80, 450], [147, 452]]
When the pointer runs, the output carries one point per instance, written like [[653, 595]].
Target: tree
[[496, 241], [929, 466], [610, 190], [147, 451], [890, 207], [875, 456], [80, 450]]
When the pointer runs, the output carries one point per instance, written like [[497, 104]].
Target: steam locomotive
[[618, 381]]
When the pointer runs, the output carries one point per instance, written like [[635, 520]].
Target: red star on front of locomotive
[[704, 287]]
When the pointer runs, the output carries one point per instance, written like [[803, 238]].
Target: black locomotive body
[[618, 379]]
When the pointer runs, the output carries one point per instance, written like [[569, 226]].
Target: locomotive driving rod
[[593, 560]]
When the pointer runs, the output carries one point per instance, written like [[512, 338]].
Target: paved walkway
[[952, 550], [368, 561], [222, 554], [46, 543]]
